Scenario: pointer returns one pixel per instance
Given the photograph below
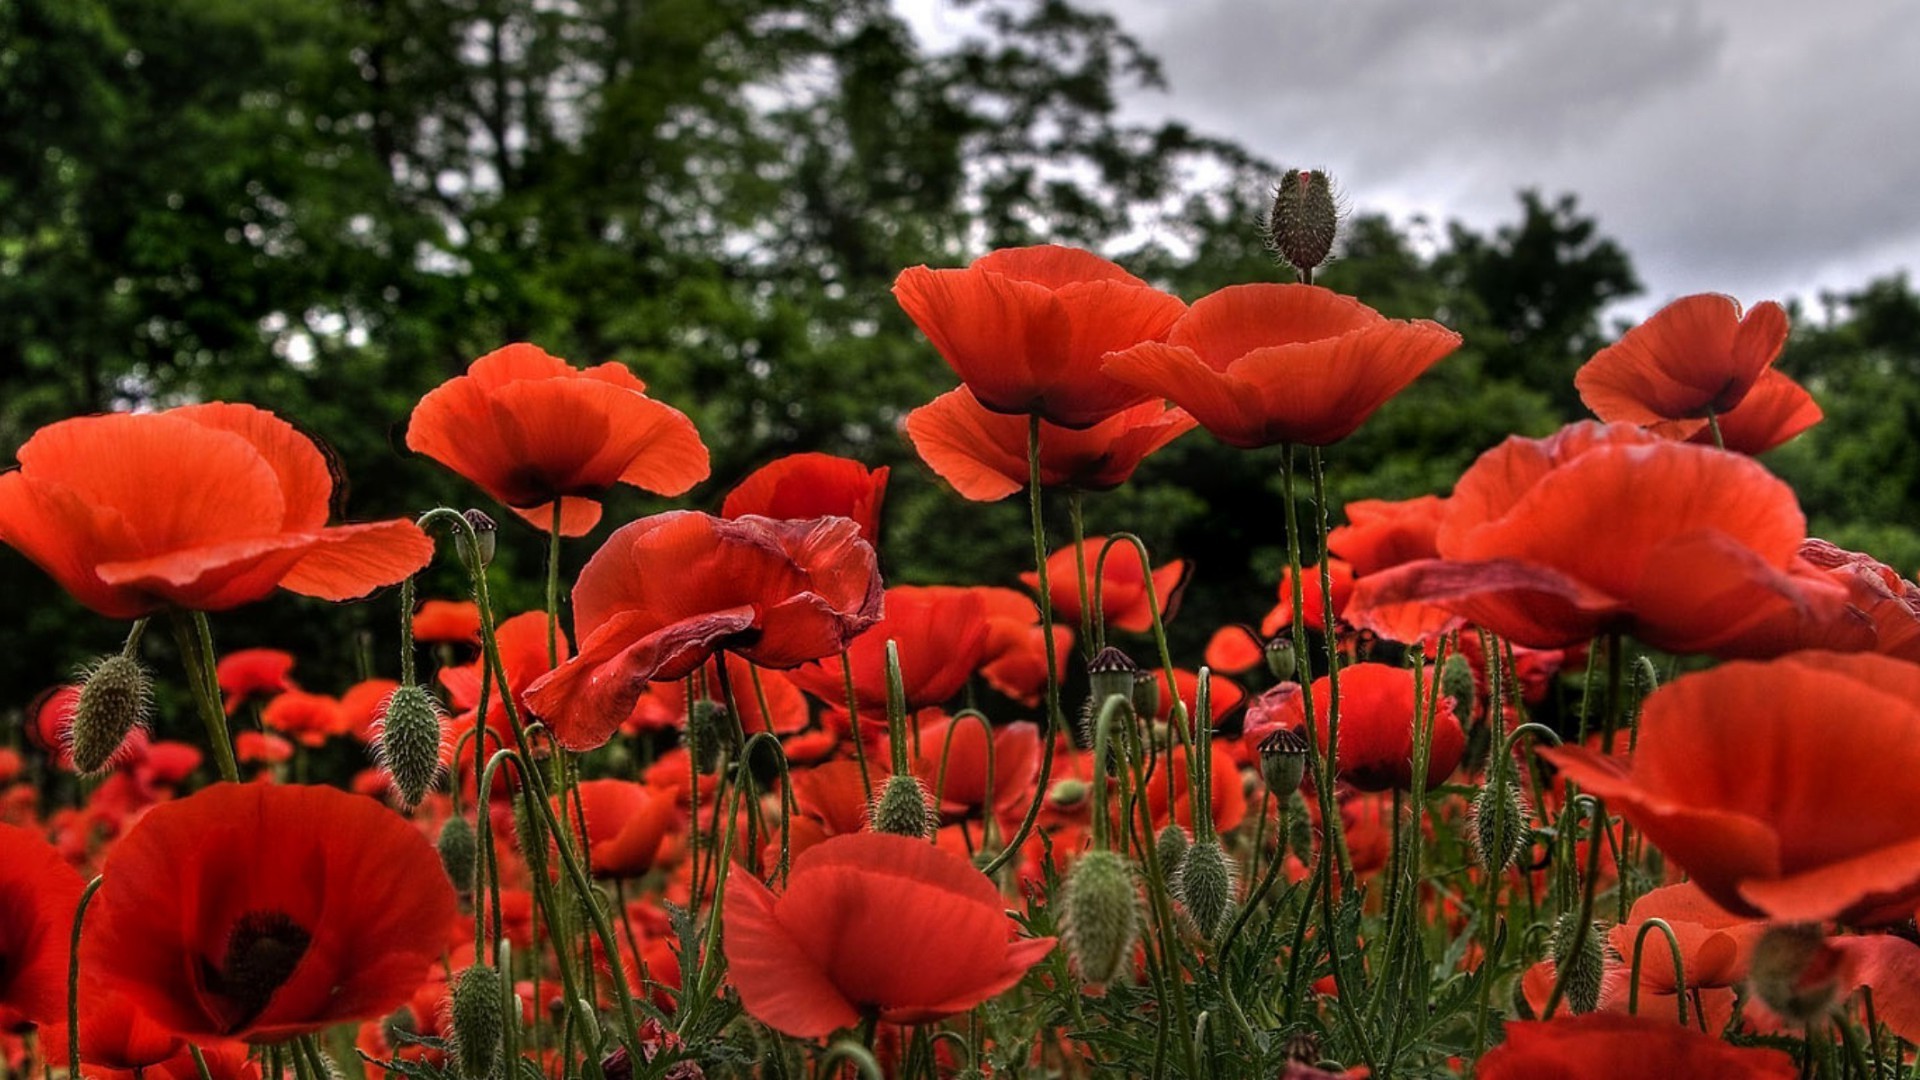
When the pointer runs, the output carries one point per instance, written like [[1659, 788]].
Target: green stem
[[73, 977], [1679, 968], [1089, 643], [195, 638], [1713, 425]]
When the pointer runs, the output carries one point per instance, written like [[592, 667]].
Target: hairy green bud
[[410, 740], [115, 698], [1102, 916], [1585, 961], [1205, 885], [1797, 973], [1456, 684], [902, 808], [459, 848], [1304, 220], [1497, 821], [1170, 847], [478, 1015]]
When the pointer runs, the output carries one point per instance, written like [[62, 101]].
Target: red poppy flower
[[529, 428], [456, 622], [1014, 659], [523, 655], [253, 672], [940, 633], [1604, 1046], [1016, 764], [1782, 788], [1695, 356], [38, 894], [1223, 694], [1264, 364], [228, 914], [666, 592], [1774, 411], [363, 705], [1025, 328], [1377, 716], [983, 453], [1227, 796], [1607, 528], [308, 719], [1234, 650], [205, 507], [625, 824], [261, 748], [1313, 604], [1380, 535], [1123, 591], [872, 925], [664, 704], [1715, 945], [803, 486], [115, 1035]]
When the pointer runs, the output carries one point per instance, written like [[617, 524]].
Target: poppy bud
[[1146, 693], [1282, 659], [1068, 792], [1304, 219], [902, 808], [1205, 885], [1102, 915], [1456, 682], [459, 853], [1497, 821], [479, 1021], [484, 531], [1646, 679], [1283, 761], [1585, 968], [114, 699], [1170, 847], [706, 719], [1797, 973], [409, 740], [1110, 673]]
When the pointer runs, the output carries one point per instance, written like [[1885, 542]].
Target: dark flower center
[[263, 949]]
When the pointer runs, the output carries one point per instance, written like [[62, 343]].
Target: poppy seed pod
[[1304, 219], [902, 808], [1282, 659], [459, 853], [410, 742], [1102, 916], [1205, 885], [1146, 693], [1109, 674], [1068, 792], [478, 555], [115, 698], [1797, 973], [1283, 761], [479, 1021], [1584, 961]]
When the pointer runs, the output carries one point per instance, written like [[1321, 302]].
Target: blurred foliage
[[329, 206]]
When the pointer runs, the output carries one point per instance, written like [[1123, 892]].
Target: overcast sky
[[1762, 148]]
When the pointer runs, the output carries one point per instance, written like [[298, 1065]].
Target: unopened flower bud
[[1283, 761], [706, 719], [1146, 693], [1584, 961], [1282, 659], [410, 741], [1456, 683], [1497, 823], [478, 1017], [484, 531], [1110, 673], [1101, 917], [115, 698], [1304, 220], [1170, 847], [902, 808], [1797, 973], [1067, 793], [459, 852], [1205, 885]]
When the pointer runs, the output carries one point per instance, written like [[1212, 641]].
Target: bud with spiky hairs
[[1584, 961], [478, 1015], [1102, 916], [901, 808], [1304, 219], [1205, 885], [116, 696], [1497, 823], [1110, 673], [459, 852], [1299, 827], [1283, 660], [1170, 847], [410, 742], [1456, 684]]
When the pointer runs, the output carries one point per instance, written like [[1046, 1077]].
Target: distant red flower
[[1695, 356], [261, 748], [983, 453], [456, 622], [1014, 660], [1380, 535], [230, 914], [248, 673], [204, 507], [1890, 601], [666, 592], [38, 895], [1123, 594], [1223, 694], [362, 706], [1604, 1046], [940, 634], [1715, 945], [625, 824], [872, 924], [1227, 796], [664, 704], [308, 719], [1025, 328], [1259, 365], [1016, 764], [1313, 604], [529, 429], [1607, 528], [799, 487], [1377, 717], [1783, 788], [1234, 650]]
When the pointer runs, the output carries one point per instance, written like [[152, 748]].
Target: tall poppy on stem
[[201, 508], [1694, 358], [228, 914], [532, 430]]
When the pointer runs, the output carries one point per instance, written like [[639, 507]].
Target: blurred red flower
[[456, 622], [1258, 365], [1774, 411], [871, 925], [625, 823], [1783, 788], [1377, 716], [666, 592], [940, 633], [1025, 328], [983, 453], [246, 673], [204, 507], [529, 429], [1605, 1046], [1695, 356], [228, 914], [1380, 535], [1122, 585], [799, 487]]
